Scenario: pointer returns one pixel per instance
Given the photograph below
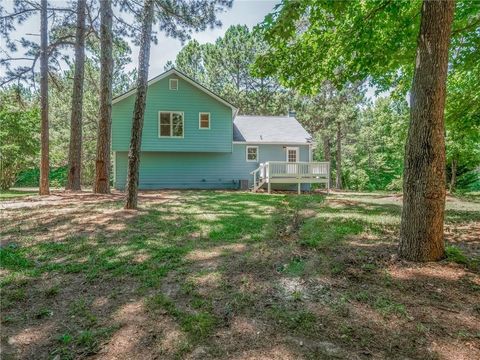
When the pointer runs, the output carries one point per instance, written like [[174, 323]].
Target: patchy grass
[[13, 194], [205, 274]]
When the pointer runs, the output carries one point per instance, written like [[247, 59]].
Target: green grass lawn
[[204, 274], [12, 194]]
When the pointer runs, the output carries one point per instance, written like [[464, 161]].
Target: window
[[204, 120], [173, 84], [252, 153], [170, 124]]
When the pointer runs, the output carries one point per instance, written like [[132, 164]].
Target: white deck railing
[[291, 173]]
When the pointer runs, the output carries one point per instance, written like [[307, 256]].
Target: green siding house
[[194, 139]]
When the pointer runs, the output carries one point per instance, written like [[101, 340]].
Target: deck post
[[269, 186], [254, 181], [299, 188], [328, 178]]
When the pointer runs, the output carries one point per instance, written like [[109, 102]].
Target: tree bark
[[338, 158], [44, 188], [326, 148], [102, 164], [139, 109], [327, 154], [75, 150], [453, 178], [421, 230]]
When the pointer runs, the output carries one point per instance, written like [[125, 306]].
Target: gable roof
[[184, 77], [269, 129]]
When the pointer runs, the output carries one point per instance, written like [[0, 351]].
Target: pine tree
[[102, 164], [178, 19], [75, 150], [44, 188], [139, 108]]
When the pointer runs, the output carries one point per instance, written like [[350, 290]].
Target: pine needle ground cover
[[204, 274]]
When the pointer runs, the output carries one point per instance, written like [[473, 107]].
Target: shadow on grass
[[220, 271]]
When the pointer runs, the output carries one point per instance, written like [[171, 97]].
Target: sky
[[243, 12]]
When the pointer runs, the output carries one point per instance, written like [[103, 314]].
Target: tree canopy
[[345, 41]]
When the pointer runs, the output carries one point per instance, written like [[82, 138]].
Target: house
[[194, 139]]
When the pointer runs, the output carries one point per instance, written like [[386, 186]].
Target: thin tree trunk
[[326, 148], [338, 159], [453, 178], [139, 109], [421, 231], [75, 150], [327, 155], [102, 164], [44, 188]]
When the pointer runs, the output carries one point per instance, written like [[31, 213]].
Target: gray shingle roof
[[274, 129]]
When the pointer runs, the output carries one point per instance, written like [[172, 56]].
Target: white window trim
[[292, 148], [246, 153], [171, 124], [200, 120], [170, 84]]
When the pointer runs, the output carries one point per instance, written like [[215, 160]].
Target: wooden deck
[[282, 172]]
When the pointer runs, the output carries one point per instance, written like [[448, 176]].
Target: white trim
[[246, 153], [268, 143], [200, 122], [170, 82], [171, 124], [182, 76], [297, 153]]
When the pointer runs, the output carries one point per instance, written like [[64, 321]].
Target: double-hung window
[[252, 153], [204, 120], [170, 124]]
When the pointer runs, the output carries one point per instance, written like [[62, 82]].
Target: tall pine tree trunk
[[102, 164], [139, 109], [421, 231], [338, 159], [453, 178], [327, 154], [326, 148], [75, 150], [44, 188]]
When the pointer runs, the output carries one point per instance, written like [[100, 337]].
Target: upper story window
[[170, 124], [173, 84], [252, 153], [204, 120]]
